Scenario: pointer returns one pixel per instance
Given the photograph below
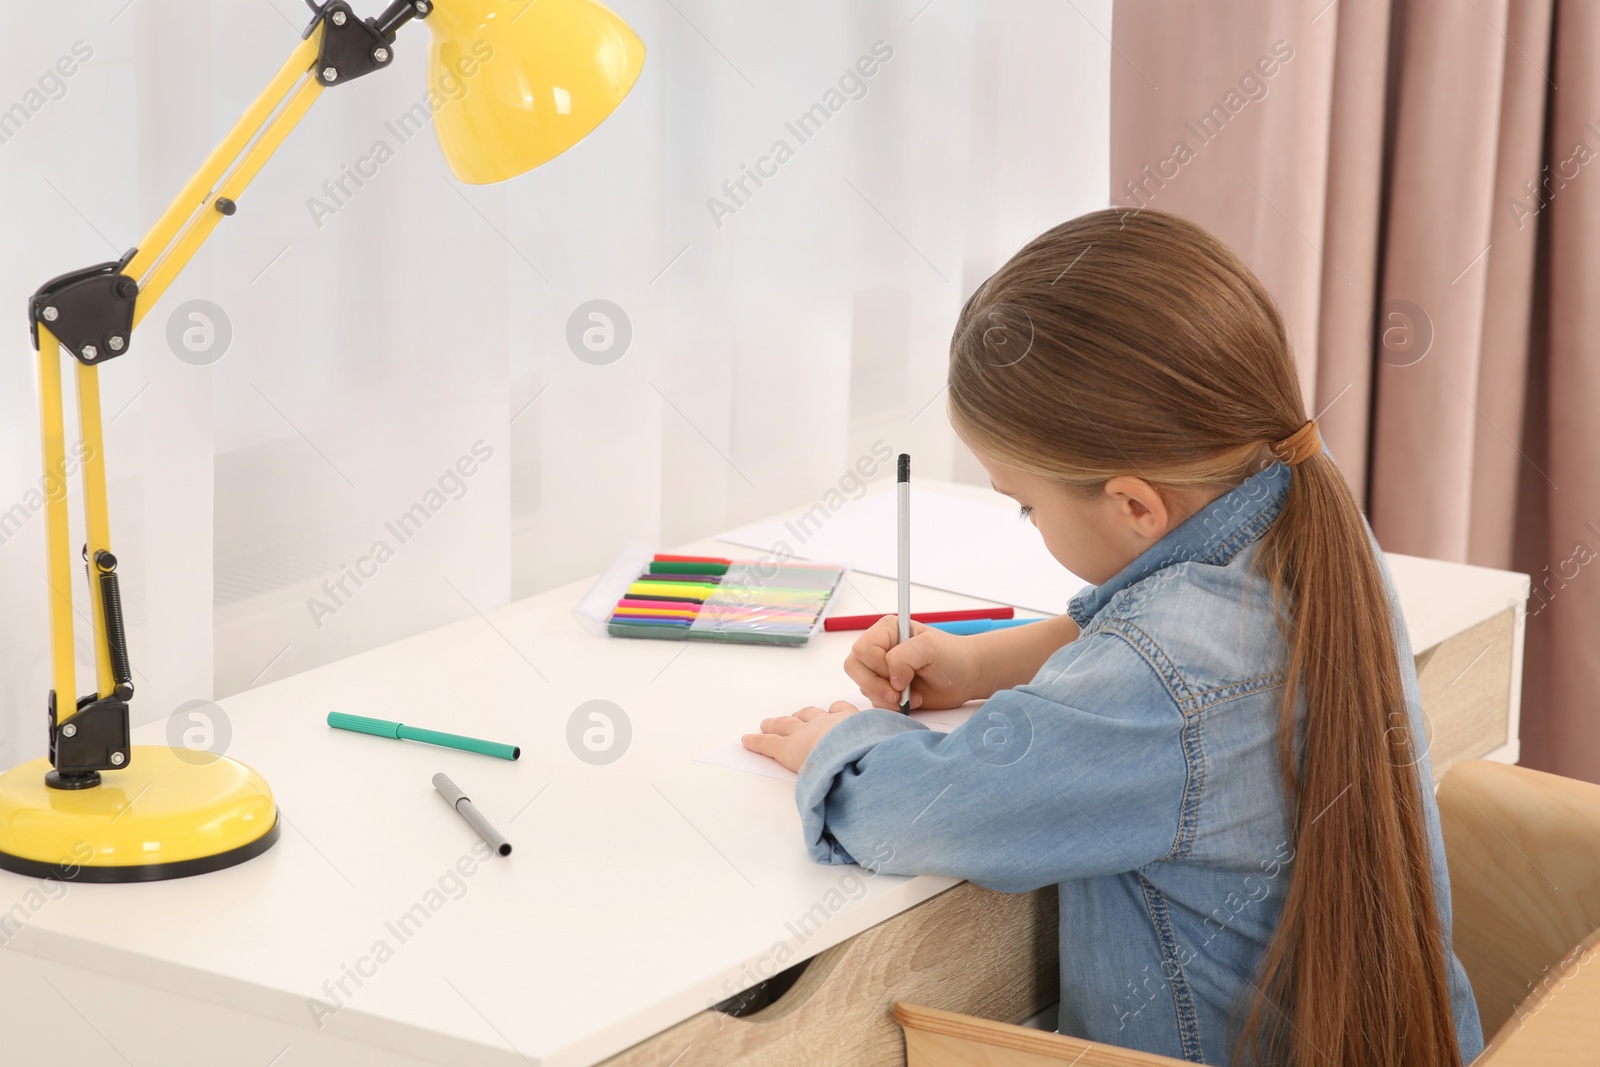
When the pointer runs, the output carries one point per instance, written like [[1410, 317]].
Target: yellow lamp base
[[170, 813]]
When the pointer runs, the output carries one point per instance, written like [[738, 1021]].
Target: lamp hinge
[[90, 310], [352, 47]]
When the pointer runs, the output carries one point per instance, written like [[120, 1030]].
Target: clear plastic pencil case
[[644, 593]]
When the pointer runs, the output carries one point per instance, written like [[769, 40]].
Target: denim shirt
[[1138, 771]]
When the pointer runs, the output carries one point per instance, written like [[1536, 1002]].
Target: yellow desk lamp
[[513, 83]]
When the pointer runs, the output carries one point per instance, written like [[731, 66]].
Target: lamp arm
[[91, 313], [334, 32]]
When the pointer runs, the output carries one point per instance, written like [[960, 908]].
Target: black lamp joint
[[90, 311], [95, 739], [351, 47]]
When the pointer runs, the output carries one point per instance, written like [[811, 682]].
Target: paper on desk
[[973, 547], [736, 757]]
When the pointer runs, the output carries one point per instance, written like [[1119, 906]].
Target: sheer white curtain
[[418, 415]]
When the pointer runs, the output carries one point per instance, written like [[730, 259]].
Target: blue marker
[[979, 626]]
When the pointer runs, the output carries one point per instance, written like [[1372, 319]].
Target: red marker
[[862, 622]]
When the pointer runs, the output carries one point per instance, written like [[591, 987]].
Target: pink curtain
[[1424, 204]]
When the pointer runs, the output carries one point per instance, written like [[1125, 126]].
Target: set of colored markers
[[714, 599]]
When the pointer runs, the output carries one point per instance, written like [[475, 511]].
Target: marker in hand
[[903, 489]]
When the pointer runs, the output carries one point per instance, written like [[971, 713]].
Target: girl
[[1216, 753]]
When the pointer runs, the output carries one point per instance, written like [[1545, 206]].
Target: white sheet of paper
[[976, 548], [736, 757]]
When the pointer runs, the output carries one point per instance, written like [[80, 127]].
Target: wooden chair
[[1524, 855]]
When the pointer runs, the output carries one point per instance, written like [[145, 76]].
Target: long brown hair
[[1138, 344]]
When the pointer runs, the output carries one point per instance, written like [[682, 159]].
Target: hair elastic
[[1300, 445]]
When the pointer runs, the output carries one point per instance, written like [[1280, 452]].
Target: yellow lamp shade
[[517, 82]]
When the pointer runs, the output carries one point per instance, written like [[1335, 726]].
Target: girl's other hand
[[789, 739], [943, 670]]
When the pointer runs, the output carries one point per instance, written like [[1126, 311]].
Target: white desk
[[640, 892]]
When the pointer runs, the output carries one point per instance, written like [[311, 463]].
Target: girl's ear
[[1140, 506]]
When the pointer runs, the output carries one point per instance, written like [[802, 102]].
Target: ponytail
[[1361, 879]]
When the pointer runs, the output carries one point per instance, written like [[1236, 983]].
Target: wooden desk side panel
[[1465, 682], [969, 949]]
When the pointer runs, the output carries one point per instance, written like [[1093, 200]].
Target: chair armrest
[[1555, 1025], [936, 1038]]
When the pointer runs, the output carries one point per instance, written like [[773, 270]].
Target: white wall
[[374, 347]]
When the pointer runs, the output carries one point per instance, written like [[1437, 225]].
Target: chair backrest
[[1524, 855]]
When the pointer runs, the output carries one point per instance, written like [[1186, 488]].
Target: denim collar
[[1214, 534]]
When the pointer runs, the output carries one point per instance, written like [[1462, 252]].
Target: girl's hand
[[789, 739], [943, 670]]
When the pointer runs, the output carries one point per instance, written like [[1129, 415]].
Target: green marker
[[672, 567], [382, 728]]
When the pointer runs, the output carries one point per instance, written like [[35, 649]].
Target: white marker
[[903, 488]]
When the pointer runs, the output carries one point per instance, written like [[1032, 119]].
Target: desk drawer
[[969, 949], [1466, 691]]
